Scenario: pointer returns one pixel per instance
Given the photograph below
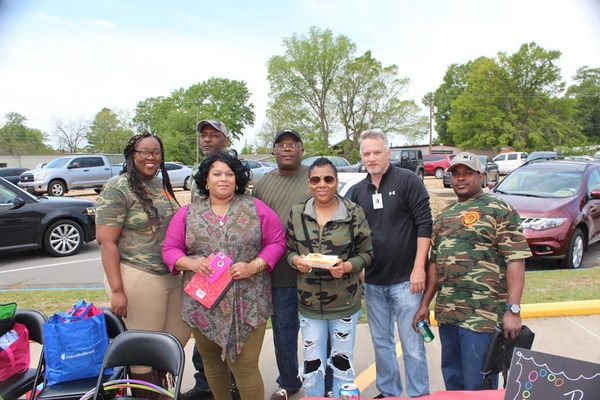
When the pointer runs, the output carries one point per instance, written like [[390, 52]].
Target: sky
[[68, 59]]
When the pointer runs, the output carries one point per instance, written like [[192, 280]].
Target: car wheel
[[421, 175], [439, 173], [447, 186], [574, 256], [56, 188], [63, 238], [484, 182], [187, 184]]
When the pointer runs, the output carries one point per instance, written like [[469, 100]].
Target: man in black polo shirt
[[397, 207]]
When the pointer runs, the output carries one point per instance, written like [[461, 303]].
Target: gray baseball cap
[[218, 125], [467, 159]]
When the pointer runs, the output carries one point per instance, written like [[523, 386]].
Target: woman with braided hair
[[132, 215]]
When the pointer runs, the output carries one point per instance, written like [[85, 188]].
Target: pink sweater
[[273, 237]]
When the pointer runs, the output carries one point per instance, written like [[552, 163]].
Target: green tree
[[16, 139], [453, 86], [319, 88], [368, 95], [304, 78], [108, 133], [174, 118], [512, 101], [586, 96]]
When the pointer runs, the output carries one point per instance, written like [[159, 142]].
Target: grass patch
[[540, 287]]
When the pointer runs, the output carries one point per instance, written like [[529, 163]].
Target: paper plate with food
[[318, 260]]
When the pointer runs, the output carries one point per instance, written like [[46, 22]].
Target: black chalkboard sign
[[540, 376]]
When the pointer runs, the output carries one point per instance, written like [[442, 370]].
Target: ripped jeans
[[342, 334]]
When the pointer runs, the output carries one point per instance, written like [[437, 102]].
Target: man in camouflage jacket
[[477, 268]]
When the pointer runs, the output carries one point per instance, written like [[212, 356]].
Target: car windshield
[[58, 163], [541, 183]]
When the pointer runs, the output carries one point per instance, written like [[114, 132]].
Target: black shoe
[[235, 393], [380, 396], [196, 394]]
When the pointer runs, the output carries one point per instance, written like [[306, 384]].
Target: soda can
[[425, 331], [349, 391]]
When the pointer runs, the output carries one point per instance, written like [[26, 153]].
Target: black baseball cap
[[287, 132]]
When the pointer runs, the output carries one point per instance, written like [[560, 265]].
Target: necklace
[[221, 219]]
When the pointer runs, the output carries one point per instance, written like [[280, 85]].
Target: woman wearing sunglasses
[[328, 298]]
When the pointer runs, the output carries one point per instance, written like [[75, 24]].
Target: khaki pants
[[245, 368], [153, 303]]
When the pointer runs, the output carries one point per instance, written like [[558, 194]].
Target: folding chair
[[158, 350], [73, 390], [16, 386]]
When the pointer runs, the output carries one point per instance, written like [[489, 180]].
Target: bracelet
[[260, 264]]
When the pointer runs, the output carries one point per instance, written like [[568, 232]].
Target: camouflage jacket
[[348, 236], [473, 241], [140, 243]]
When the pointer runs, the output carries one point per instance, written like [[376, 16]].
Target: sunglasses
[[316, 179]]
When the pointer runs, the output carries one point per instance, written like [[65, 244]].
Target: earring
[[236, 188], [207, 187]]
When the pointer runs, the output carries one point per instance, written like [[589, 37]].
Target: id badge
[[377, 201]]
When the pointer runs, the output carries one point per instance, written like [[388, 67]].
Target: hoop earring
[[207, 187], [236, 188]]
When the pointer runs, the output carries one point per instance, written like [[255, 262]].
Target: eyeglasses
[[315, 180], [146, 153], [281, 146]]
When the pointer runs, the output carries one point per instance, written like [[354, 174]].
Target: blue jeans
[[285, 337], [342, 335], [387, 304], [463, 354]]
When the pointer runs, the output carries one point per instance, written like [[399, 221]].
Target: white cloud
[[103, 23], [54, 19]]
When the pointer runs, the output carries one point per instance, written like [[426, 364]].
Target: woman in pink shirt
[[222, 218]]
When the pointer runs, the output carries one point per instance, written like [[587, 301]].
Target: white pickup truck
[[77, 171]]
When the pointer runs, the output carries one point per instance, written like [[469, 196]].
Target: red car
[[559, 205], [435, 164]]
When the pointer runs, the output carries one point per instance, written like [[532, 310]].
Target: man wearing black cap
[[280, 190], [212, 138]]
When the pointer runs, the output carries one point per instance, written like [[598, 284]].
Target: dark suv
[[59, 225], [408, 158]]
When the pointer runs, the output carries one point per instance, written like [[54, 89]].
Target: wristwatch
[[513, 308]]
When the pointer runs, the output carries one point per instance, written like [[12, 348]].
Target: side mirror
[[17, 203], [595, 194]]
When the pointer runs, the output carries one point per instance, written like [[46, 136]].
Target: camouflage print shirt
[[140, 244], [473, 241]]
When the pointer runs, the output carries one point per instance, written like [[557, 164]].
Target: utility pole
[[430, 122]]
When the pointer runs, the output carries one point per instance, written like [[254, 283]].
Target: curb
[[552, 310]]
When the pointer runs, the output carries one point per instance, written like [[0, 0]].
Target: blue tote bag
[[74, 343]]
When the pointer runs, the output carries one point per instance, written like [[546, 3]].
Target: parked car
[[491, 173], [341, 164], [508, 161], [257, 170], [347, 180], [179, 175], [542, 154], [12, 174], [436, 164], [411, 159], [58, 225], [559, 205], [83, 171]]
